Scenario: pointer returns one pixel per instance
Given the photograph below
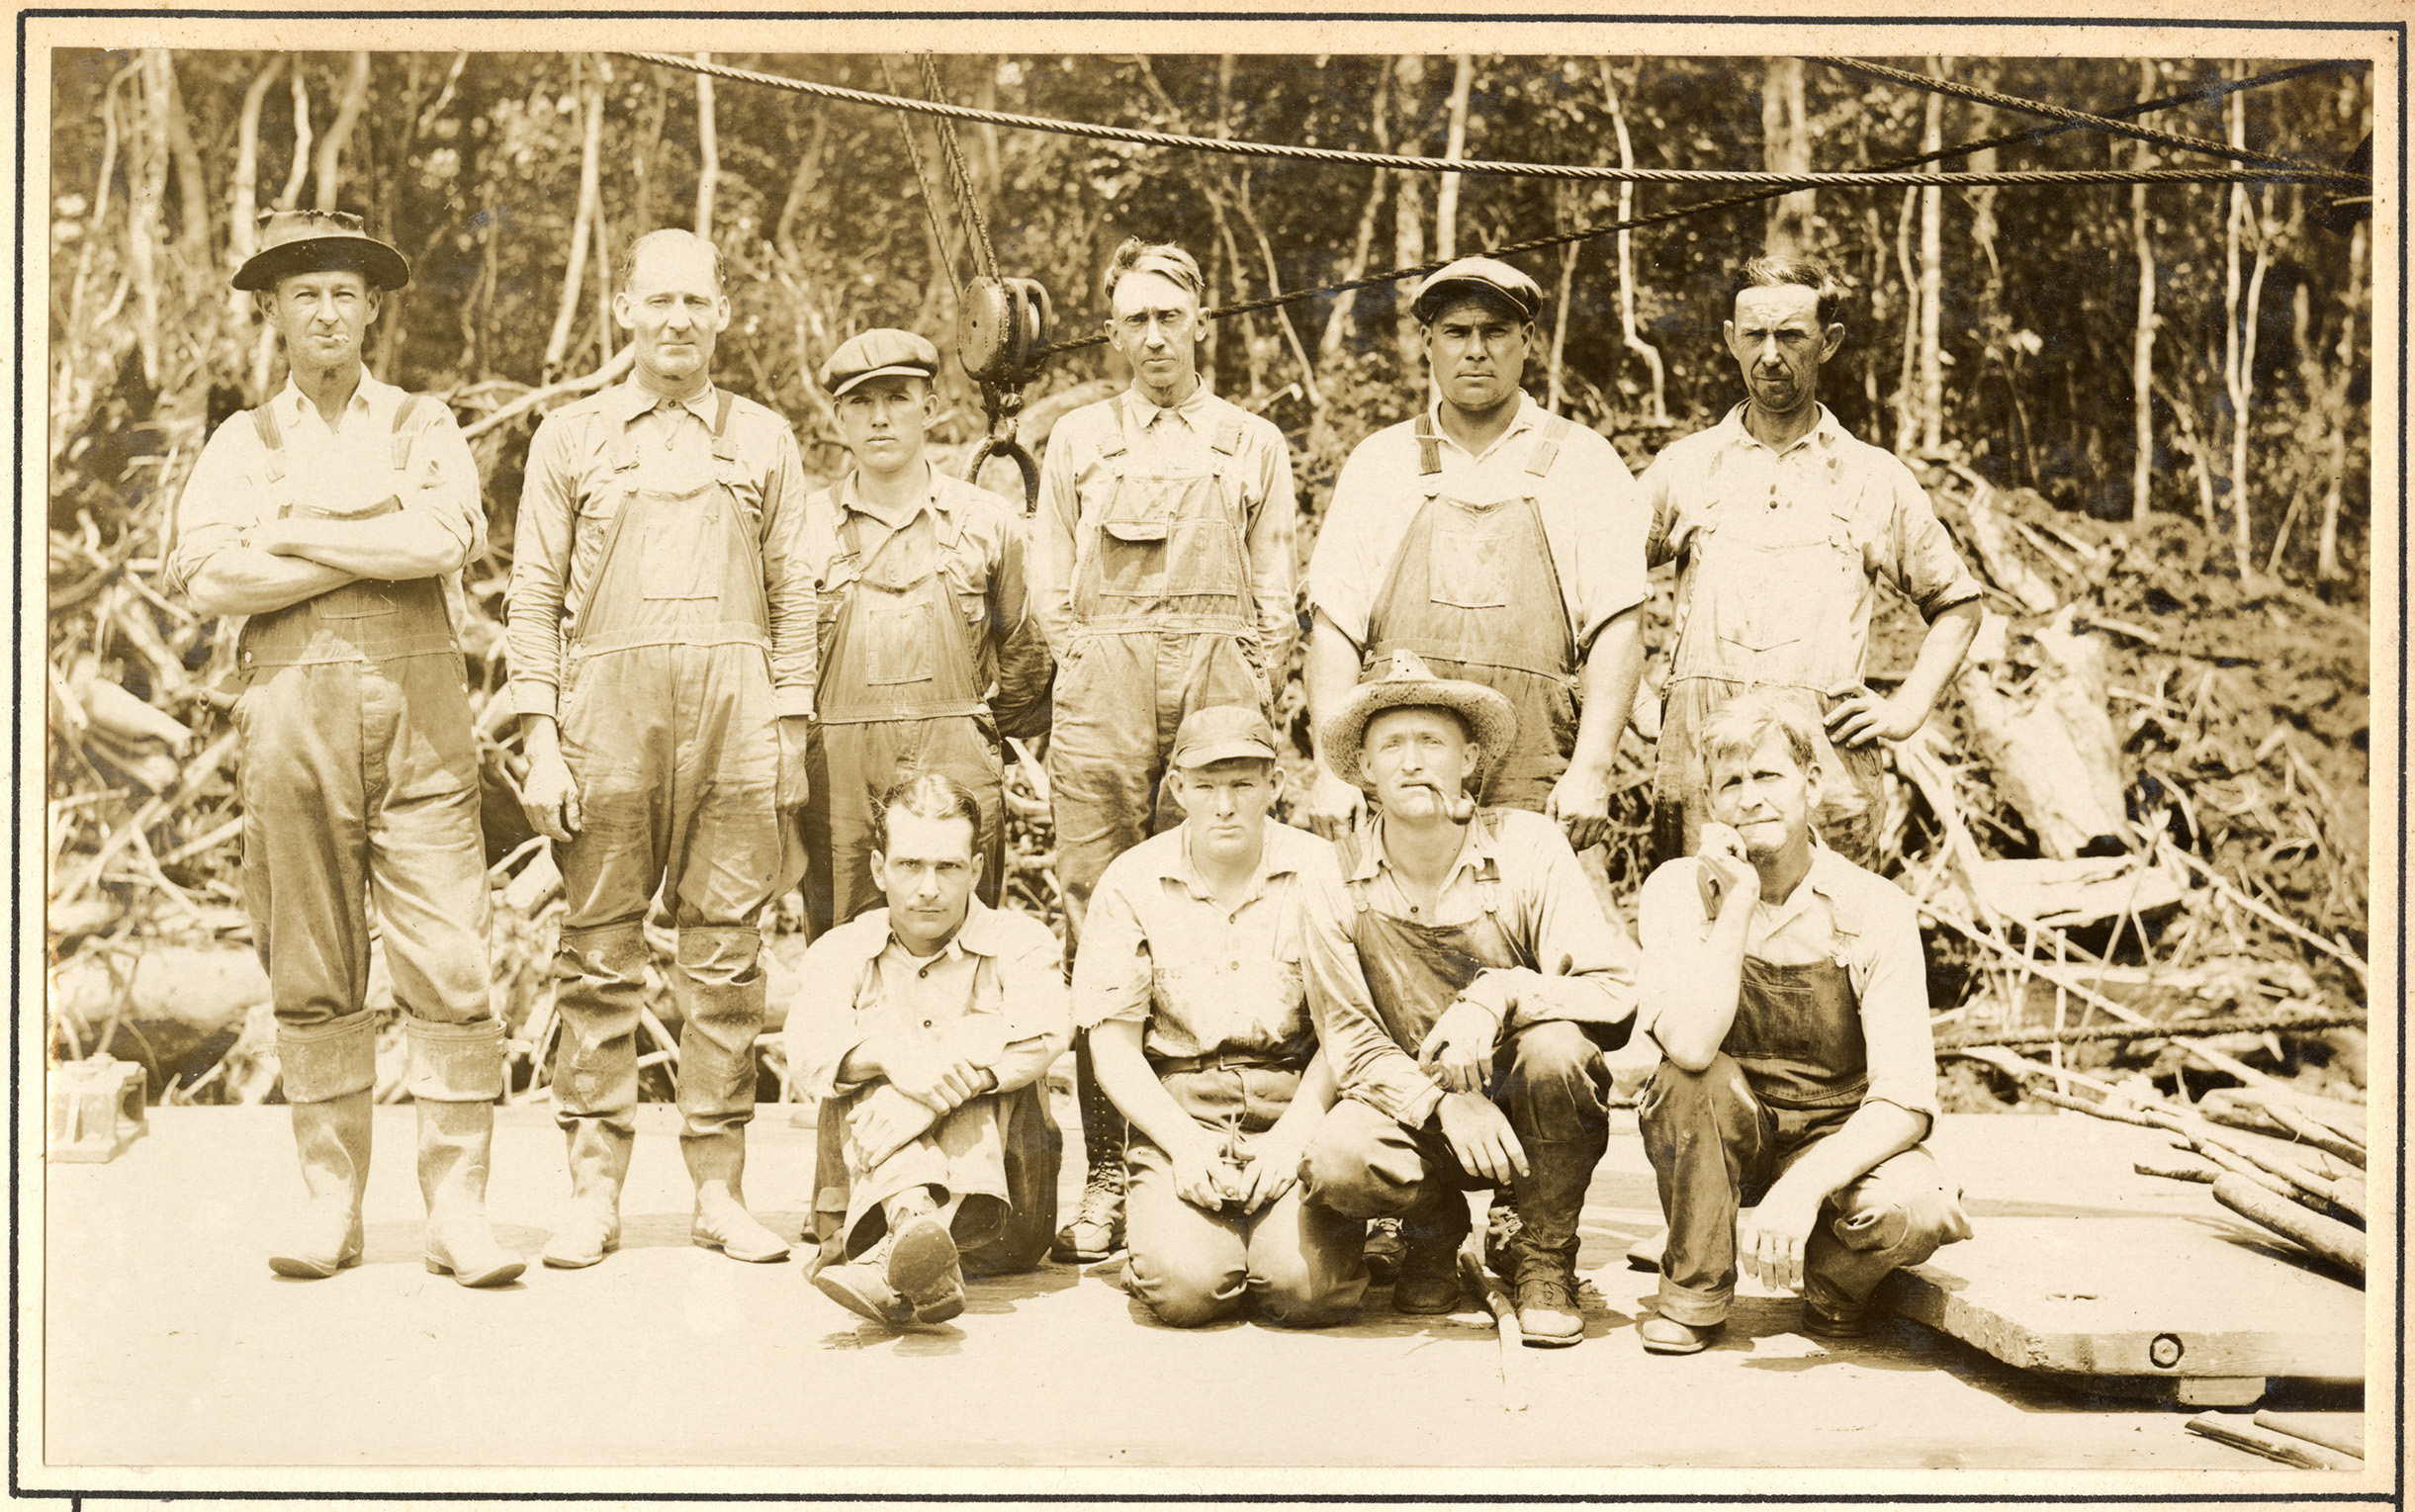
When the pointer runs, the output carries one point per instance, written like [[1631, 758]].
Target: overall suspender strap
[[724, 449], [1429, 445], [1547, 450], [265, 422]]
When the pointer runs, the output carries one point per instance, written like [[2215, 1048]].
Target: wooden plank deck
[[165, 1342]]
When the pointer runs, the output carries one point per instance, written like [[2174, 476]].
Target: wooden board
[[2181, 1298]]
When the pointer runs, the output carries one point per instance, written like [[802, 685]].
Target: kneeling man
[[1785, 987], [1188, 983], [1463, 982], [932, 1022]]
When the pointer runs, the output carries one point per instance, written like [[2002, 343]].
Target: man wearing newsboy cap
[[929, 652], [1499, 542], [320, 526]]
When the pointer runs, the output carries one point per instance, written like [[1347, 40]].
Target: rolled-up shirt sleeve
[[1113, 972], [1367, 1064], [788, 581], [1894, 992], [540, 567], [827, 1020], [1344, 569], [223, 497], [1609, 547], [1922, 563], [448, 494], [1584, 964], [1039, 1026]]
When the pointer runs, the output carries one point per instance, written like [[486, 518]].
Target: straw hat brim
[[1492, 725], [377, 263]]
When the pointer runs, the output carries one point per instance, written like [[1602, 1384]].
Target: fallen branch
[[2318, 1235], [2281, 1447], [609, 371], [2223, 886]]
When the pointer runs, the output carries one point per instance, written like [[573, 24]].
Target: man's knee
[[1188, 1289], [1291, 1298], [1353, 1170], [1902, 1210]]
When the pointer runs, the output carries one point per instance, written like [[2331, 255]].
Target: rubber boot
[[455, 1074], [329, 1072], [600, 1164], [718, 983], [1551, 1200], [1097, 1229]]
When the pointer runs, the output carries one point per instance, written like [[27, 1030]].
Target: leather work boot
[[1097, 1229], [1430, 1236], [1383, 1251], [327, 1072], [721, 1220], [600, 1164], [456, 1073], [1548, 1316], [922, 1269], [1836, 1320], [1668, 1336]]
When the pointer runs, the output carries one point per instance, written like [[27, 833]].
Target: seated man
[[1188, 984], [1465, 982], [1786, 990], [924, 1029]]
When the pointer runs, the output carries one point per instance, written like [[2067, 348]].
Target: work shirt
[[1075, 483], [572, 490], [1838, 912], [1584, 965], [866, 984], [1158, 948], [339, 471], [1876, 506], [1593, 517], [978, 544]]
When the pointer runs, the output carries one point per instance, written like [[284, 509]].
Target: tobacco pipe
[[1458, 806]]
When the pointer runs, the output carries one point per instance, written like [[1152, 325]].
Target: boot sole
[[751, 1257], [577, 1262], [310, 1269], [918, 1263], [1550, 1340], [849, 1298], [495, 1276]]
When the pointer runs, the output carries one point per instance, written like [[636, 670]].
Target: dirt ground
[[169, 1344]]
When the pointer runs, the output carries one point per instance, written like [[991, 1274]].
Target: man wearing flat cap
[[1189, 985], [928, 654], [1162, 573], [662, 662], [323, 524], [1500, 543], [1465, 982]]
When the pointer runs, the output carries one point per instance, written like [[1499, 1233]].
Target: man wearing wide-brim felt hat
[[1465, 982], [323, 523]]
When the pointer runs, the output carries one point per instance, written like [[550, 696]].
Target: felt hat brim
[[378, 264]]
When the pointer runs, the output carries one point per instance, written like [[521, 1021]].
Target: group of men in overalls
[[1292, 1050]]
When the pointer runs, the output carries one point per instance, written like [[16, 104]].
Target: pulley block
[[1002, 331]]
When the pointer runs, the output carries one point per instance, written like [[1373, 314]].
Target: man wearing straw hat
[[1465, 982], [323, 523]]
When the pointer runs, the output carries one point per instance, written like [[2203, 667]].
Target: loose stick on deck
[[2333, 1241], [2285, 1448]]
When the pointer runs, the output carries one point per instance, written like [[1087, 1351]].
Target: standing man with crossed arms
[[1162, 572], [329, 516], [663, 660]]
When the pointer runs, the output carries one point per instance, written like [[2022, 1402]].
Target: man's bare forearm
[[399, 546], [1948, 639], [1613, 667], [1877, 1131], [1327, 673], [243, 580]]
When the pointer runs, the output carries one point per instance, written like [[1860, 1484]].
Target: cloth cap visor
[[878, 354]]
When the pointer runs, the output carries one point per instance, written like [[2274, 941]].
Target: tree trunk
[[708, 152], [649, 147], [147, 172], [2142, 346], [1559, 307], [193, 189], [1786, 149], [1283, 315], [1906, 378], [244, 193], [300, 170], [1337, 320], [2239, 336], [801, 184], [1408, 216], [2327, 555], [1625, 256], [331, 146], [1446, 201], [1932, 278], [590, 152]]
